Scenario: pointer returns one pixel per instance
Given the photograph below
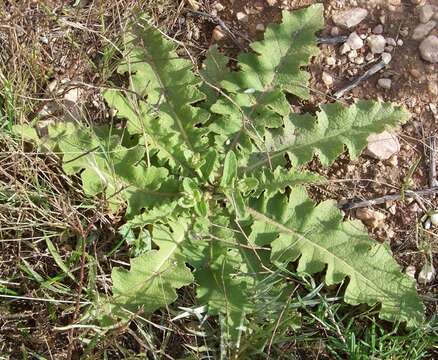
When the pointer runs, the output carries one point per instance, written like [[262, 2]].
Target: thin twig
[[367, 74], [407, 194], [432, 162], [221, 23], [332, 40]]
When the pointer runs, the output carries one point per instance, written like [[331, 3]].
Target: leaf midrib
[[285, 229], [269, 86], [275, 154], [150, 60]]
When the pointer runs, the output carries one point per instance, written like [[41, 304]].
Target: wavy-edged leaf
[[98, 155], [170, 88], [317, 237], [325, 135], [257, 99], [278, 59], [106, 166], [214, 71], [272, 182], [153, 278]]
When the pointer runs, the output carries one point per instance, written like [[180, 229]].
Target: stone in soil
[[376, 43], [330, 61], [345, 48], [260, 27], [242, 17], [378, 30], [422, 30], [352, 55], [429, 49], [427, 274], [382, 146], [350, 18], [384, 83], [391, 41], [327, 79], [386, 58], [217, 34], [354, 41], [334, 31], [426, 13], [370, 217], [410, 271]]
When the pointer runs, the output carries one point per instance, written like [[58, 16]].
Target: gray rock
[[426, 13], [369, 57], [422, 30], [391, 41], [384, 83], [410, 271], [376, 43], [330, 61], [345, 48], [352, 54], [429, 49], [378, 30], [386, 57], [427, 274], [241, 16], [354, 41], [434, 218], [327, 79], [372, 218], [334, 31], [359, 60], [350, 18], [382, 146]]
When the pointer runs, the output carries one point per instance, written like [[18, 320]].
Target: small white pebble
[[386, 58], [331, 61], [44, 39], [352, 54], [410, 271], [384, 83], [369, 57], [427, 274], [434, 219], [390, 41], [378, 30], [219, 7], [260, 27], [345, 48], [359, 60], [427, 224], [354, 41], [327, 79], [242, 16], [334, 31], [400, 42]]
